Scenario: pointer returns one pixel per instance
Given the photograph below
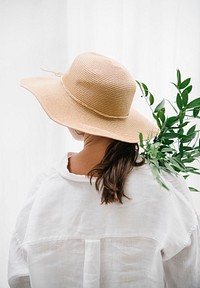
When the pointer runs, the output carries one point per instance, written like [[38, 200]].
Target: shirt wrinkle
[[64, 236]]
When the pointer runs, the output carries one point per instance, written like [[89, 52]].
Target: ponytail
[[112, 171]]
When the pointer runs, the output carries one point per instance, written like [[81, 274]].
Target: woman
[[132, 232]]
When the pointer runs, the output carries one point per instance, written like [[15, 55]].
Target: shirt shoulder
[[35, 187], [170, 213], [144, 178]]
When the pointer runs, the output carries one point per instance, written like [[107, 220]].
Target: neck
[[91, 155]]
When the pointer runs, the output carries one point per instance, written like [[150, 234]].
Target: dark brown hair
[[111, 172]]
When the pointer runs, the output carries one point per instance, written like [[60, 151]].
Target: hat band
[[89, 107]]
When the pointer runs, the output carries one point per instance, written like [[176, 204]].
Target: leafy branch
[[178, 144]]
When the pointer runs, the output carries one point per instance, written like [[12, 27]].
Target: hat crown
[[101, 84], [92, 97]]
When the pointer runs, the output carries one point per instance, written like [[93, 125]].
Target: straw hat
[[93, 96]]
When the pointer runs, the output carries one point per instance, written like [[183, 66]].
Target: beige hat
[[93, 96]]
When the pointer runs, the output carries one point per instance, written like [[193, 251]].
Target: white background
[[152, 38]]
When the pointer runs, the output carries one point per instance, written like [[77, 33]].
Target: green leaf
[[188, 89], [171, 120], [140, 87], [141, 140], [161, 115], [167, 141], [160, 155], [185, 97], [194, 103], [193, 169], [170, 135], [146, 91], [168, 149], [179, 162], [184, 83], [185, 176], [170, 168], [188, 160], [184, 124], [192, 189], [160, 106], [187, 138], [181, 151], [195, 112], [196, 155], [138, 83], [191, 130], [171, 130], [195, 172], [176, 164], [181, 116], [179, 101], [157, 120], [157, 176], [187, 148], [151, 99], [174, 85], [178, 76], [180, 126], [155, 163]]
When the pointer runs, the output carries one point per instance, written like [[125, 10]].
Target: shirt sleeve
[[183, 270], [181, 246], [18, 274]]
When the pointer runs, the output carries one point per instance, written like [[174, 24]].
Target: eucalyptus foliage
[[177, 144]]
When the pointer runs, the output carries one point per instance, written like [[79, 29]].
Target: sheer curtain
[[152, 38]]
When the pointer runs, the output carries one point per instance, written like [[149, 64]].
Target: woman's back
[[124, 230], [70, 240]]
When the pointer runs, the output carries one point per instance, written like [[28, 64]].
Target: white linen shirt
[[64, 237]]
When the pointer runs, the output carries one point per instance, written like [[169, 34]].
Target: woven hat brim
[[64, 110]]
